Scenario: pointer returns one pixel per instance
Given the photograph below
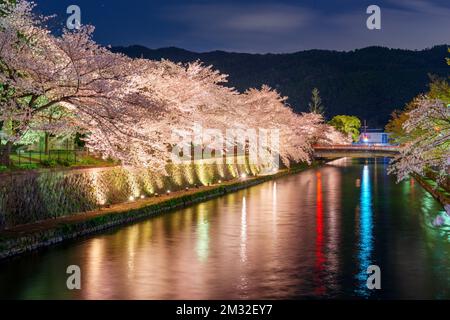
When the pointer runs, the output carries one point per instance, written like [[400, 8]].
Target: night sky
[[260, 25]]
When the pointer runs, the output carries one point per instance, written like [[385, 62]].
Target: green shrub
[[49, 163], [65, 162], [86, 161], [28, 166], [3, 168]]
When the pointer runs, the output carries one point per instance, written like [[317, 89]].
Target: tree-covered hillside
[[369, 83]]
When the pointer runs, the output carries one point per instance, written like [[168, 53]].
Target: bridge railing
[[356, 147]]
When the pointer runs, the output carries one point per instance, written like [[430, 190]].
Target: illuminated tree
[[39, 71], [348, 125], [428, 146], [328, 135]]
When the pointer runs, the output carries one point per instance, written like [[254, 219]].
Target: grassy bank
[[25, 238]]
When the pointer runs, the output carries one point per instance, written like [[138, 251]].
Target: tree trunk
[[5, 152]]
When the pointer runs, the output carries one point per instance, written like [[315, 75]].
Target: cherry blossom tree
[[328, 135], [265, 108], [428, 143], [71, 71]]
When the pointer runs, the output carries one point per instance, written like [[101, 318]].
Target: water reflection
[[365, 231], [95, 262], [320, 258], [244, 231], [203, 235], [333, 228], [297, 237], [243, 283]]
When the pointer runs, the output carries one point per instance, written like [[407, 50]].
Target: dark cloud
[[245, 18], [265, 25]]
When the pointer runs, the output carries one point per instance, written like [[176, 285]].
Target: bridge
[[355, 151]]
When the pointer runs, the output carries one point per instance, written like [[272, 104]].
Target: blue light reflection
[[365, 232]]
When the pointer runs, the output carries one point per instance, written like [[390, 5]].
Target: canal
[[310, 235]]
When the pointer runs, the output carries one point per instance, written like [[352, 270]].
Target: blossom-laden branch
[[428, 145]]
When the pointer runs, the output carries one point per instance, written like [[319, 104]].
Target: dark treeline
[[369, 83]]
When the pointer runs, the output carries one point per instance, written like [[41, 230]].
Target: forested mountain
[[369, 83]]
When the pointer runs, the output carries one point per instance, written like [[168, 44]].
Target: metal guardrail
[[24, 157], [357, 147]]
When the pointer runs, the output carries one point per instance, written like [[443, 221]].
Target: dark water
[[309, 235]]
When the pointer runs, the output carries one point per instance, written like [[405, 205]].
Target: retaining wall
[[34, 196]]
